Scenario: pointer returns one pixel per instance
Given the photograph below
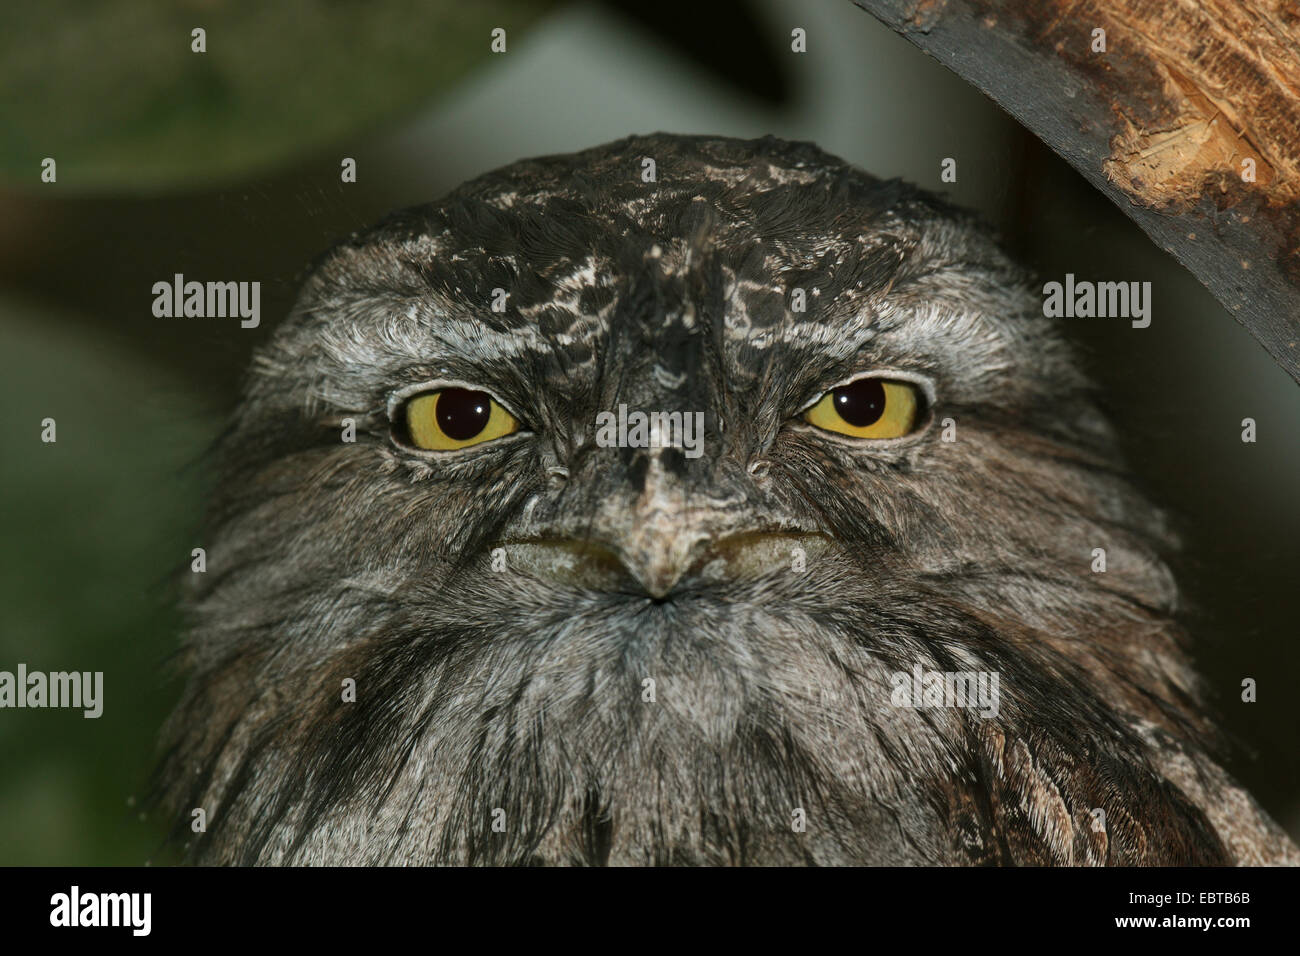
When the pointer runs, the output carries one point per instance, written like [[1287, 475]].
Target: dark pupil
[[860, 403], [462, 414]]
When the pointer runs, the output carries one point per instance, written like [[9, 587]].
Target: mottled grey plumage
[[522, 690]]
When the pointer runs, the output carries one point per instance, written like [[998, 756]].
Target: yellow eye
[[452, 418], [867, 408]]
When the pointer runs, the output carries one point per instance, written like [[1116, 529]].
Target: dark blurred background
[[225, 165]]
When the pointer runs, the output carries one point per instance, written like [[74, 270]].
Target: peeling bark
[[1189, 120]]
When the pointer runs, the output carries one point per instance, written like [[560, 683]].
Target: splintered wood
[[1207, 93]]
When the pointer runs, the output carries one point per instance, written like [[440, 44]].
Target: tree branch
[[1189, 120]]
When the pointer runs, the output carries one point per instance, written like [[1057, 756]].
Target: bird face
[[579, 518]]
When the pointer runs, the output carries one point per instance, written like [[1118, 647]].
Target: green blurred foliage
[[113, 92], [98, 525]]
